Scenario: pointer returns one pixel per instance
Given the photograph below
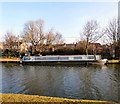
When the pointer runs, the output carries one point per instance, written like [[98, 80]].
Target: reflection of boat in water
[[104, 67], [76, 59]]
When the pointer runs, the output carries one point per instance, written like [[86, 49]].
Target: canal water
[[79, 82]]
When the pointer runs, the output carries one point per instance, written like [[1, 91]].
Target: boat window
[[46, 58], [39, 58], [77, 58], [52, 58], [63, 58], [26, 58], [90, 57]]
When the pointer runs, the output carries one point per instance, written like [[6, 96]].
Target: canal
[[79, 82]]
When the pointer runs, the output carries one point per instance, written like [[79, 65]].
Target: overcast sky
[[67, 18]]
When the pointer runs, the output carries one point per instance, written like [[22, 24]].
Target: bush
[[10, 53]]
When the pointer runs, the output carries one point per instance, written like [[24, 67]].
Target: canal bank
[[10, 60], [22, 98], [113, 62]]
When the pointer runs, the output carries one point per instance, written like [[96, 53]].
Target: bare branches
[[53, 38], [112, 30], [91, 33], [50, 37], [10, 41], [58, 38], [34, 33]]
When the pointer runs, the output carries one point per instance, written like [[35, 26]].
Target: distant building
[[64, 46]]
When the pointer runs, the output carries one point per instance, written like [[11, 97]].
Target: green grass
[[35, 98]]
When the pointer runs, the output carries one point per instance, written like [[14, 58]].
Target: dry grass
[[35, 98], [9, 59], [113, 61]]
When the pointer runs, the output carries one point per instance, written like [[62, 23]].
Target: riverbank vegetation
[[44, 99], [35, 41]]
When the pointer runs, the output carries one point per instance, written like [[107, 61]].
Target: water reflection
[[79, 82]]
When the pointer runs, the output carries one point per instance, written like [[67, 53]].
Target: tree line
[[39, 41]]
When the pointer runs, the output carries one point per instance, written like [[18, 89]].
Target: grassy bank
[[113, 62], [35, 98], [11, 59]]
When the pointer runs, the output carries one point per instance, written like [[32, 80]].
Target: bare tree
[[34, 34], [58, 38], [10, 41], [53, 38], [112, 33], [50, 37], [91, 33]]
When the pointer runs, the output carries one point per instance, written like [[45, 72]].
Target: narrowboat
[[61, 59]]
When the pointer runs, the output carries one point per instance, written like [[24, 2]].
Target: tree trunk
[[86, 49]]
